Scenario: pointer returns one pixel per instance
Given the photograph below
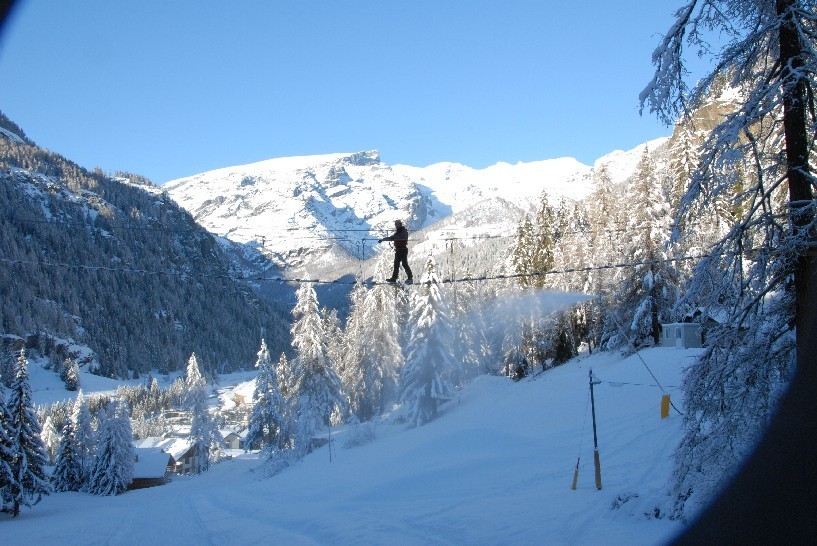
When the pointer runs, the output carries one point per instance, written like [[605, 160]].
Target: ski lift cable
[[280, 279], [620, 383], [287, 232]]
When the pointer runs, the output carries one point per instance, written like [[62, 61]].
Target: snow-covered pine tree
[[469, 330], [568, 328], [491, 331], [381, 354], [535, 243], [522, 255], [71, 375], [202, 433], [113, 467], [350, 365], [6, 453], [316, 390], [267, 421], [426, 378], [604, 216], [334, 336], [286, 379], [648, 293], [694, 235], [84, 437], [68, 470], [29, 481], [683, 159], [283, 369], [155, 394], [572, 249], [50, 438]]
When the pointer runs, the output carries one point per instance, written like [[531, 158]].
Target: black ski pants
[[401, 257]]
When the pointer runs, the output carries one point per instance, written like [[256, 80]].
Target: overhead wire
[[288, 231], [280, 279]]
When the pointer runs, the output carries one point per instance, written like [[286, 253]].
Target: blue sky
[[172, 88]]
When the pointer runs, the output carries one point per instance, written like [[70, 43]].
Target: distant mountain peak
[[319, 209]]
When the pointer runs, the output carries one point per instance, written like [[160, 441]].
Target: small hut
[[682, 335]]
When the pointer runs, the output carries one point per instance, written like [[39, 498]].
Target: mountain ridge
[[308, 213]]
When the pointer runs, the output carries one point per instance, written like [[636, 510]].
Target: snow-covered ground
[[495, 468]]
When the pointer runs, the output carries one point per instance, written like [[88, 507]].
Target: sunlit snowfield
[[495, 468]]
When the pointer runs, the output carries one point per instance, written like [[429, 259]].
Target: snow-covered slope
[[458, 187], [621, 164], [495, 468]]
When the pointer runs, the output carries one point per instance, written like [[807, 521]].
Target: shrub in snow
[[360, 434]]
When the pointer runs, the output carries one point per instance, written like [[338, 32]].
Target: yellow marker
[[665, 406]]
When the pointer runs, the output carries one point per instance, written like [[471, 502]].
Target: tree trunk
[[800, 193]]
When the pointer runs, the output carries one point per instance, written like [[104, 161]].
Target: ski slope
[[495, 468]]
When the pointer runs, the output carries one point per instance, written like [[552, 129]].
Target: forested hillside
[[112, 265]]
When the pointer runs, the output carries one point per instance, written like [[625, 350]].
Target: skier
[[400, 238]]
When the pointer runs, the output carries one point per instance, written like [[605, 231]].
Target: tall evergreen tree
[[350, 365], [29, 481], [316, 389], [71, 375], [68, 470], [648, 294], [522, 257], [283, 369], [334, 336], [113, 467], [267, 421], [202, 432], [6, 453], [535, 244], [604, 215], [381, 354], [426, 378], [84, 437], [51, 440], [467, 315]]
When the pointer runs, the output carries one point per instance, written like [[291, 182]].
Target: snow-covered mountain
[[314, 213]]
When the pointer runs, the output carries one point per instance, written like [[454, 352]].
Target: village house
[[151, 467], [232, 440], [181, 450]]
